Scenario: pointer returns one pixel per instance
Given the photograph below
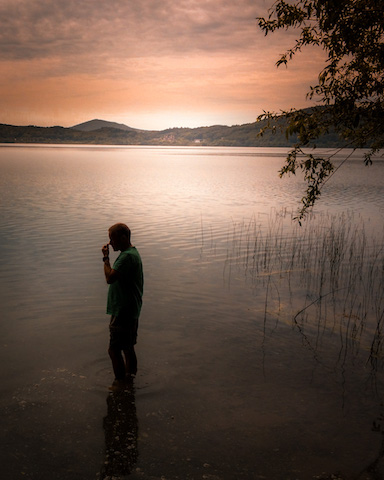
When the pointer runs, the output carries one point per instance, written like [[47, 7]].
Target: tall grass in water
[[326, 277]]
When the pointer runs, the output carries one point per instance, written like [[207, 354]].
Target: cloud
[[121, 28], [93, 36], [129, 55]]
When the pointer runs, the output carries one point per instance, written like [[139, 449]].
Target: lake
[[260, 342]]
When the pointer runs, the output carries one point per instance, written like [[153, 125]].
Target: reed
[[328, 273]]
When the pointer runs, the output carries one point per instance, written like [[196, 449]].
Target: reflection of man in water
[[121, 430], [125, 293]]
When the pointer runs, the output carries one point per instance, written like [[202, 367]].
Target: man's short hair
[[121, 229]]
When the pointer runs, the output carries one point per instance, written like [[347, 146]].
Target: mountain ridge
[[96, 124], [101, 132]]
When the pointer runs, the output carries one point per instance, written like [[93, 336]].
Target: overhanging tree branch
[[350, 87]]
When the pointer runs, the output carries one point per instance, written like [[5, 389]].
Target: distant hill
[[100, 132], [92, 125]]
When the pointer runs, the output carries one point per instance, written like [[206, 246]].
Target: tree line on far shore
[[247, 135]]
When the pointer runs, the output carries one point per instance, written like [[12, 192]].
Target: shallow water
[[229, 385]]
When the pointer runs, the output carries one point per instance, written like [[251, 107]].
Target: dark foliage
[[349, 88]]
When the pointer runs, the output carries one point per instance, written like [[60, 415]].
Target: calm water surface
[[231, 384]]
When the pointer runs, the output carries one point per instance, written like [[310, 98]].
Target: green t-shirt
[[125, 295]]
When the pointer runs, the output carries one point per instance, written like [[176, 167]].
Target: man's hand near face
[[110, 275]]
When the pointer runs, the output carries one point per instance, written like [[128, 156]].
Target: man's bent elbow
[[111, 277]]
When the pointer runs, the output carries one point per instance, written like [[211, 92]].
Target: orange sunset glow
[[149, 64]]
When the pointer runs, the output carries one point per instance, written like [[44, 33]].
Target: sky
[[150, 64]]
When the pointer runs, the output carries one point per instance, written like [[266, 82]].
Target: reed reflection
[[374, 470], [121, 432], [325, 278]]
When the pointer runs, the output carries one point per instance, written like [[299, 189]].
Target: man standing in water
[[125, 279]]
